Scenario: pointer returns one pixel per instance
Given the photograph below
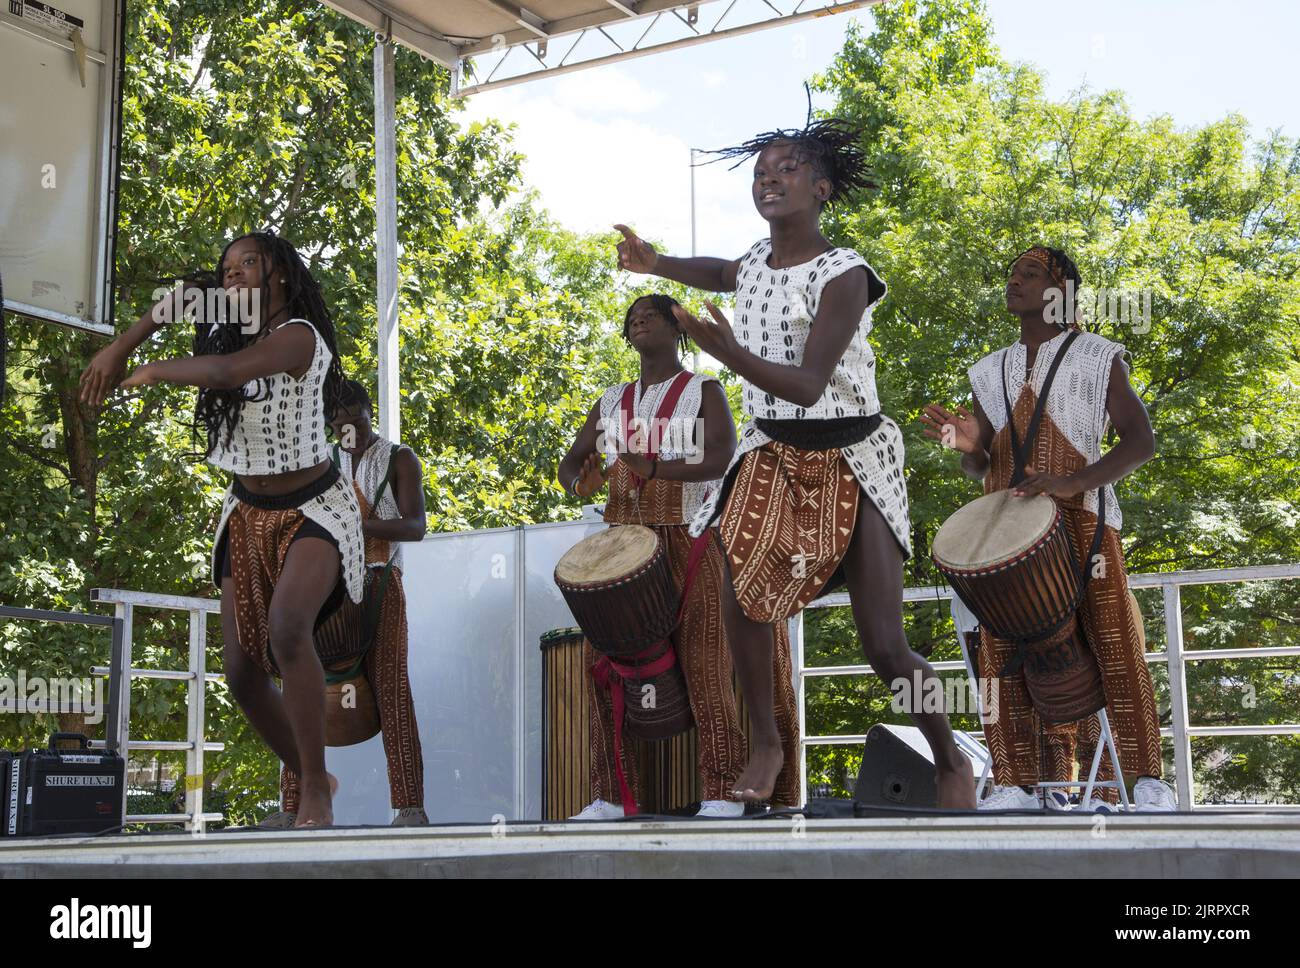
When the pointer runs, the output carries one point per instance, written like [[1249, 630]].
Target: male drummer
[[664, 455], [389, 483], [1089, 393]]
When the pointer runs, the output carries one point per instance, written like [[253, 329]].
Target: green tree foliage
[[976, 163], [257, 113], [239, 116]]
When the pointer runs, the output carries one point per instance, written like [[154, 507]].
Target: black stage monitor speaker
[[898, 770]]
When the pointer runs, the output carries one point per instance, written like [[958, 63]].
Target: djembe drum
[[1011, 561], [342, 640], [669, 774], [620, 589]]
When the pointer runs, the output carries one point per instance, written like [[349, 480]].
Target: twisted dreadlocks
[[217, 410], [663, 305], [831, 146]]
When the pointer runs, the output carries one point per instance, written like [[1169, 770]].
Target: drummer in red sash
[[1088, 393], [664, 440]]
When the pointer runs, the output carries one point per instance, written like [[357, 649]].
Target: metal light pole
[[695, 356]]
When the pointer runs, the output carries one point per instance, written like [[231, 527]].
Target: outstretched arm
[[107, 367], [288, 349], [709, 274]]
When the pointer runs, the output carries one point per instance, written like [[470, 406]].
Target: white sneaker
[[1057, 800], [721, 808], [599, 810], [1097, 805], [1153, 796], [1009, 798]]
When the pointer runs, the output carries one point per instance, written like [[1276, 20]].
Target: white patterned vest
[[774, 314], [283, 428], [1076, 402], [370, 472]]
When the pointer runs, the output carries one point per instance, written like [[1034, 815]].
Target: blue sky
[[612, 143]]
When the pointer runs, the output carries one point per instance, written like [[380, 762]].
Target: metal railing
[[112, 740], [1175, 657], [121, 673]]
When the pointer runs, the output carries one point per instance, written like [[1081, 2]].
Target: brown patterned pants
[[1025, 750], [701, 645], [386, 667]]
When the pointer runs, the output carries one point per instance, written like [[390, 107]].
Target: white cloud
[[592, 170], [605, 90]]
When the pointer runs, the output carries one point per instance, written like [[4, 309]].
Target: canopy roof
[[589, 32]]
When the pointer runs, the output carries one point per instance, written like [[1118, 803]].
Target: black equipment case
[[62, 791]]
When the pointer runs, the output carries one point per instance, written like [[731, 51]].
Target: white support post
[[796, 670], [521, 666], [386, 239], [123, 706], [1178, 695], [195, 732]]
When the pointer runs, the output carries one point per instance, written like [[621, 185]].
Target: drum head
[[604, 557], [560, 637], [992, 529]]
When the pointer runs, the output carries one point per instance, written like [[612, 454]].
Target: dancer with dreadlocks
[[289, 543], [663, 490], [815, 492], [1088, 393]]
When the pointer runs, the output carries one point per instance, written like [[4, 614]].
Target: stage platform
[[1164, 846]]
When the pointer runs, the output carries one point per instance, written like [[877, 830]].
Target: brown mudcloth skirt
[[787, 524], [257, 542]]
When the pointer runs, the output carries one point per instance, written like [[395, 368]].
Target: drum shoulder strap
[[1020, 453], [388, 476], [666, 406]]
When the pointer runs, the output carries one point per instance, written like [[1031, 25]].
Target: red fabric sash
[[665, 412], [609, 674]]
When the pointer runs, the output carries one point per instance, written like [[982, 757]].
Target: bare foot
[[956, 788], [315, 801], [759, 776]]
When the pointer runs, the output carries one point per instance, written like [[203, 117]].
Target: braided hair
[[354, 397], [832, 146], [217, 410], [663, 305]]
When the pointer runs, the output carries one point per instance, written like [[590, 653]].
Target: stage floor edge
[[1164, 846]]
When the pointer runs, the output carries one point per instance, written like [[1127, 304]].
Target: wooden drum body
[[1011, 561], [669, 776], [621, 591]]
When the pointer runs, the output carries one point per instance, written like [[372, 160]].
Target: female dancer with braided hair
[[815, 491], [289, 544]]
